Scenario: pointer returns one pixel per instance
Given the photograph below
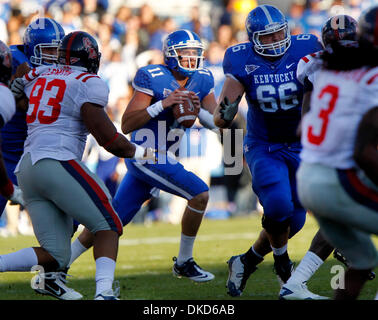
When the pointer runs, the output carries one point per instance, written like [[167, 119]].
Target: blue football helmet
[[42, 33], [263, 20], [178, 40]]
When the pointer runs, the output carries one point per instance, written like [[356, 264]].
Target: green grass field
[[145, 262]]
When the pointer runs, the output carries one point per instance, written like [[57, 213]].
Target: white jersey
[[7, 103], [338, 102], [56, 95], [307, 67]]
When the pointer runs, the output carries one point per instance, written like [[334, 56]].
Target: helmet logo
[[89, 48]]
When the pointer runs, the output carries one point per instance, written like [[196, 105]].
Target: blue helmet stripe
[[57, 33], [190, 34], [267, 14]]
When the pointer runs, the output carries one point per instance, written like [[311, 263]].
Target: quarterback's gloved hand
[[17, 197], [228, 110], [17, 87]]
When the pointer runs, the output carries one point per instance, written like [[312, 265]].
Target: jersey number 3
[[54, 102], [324, 115]]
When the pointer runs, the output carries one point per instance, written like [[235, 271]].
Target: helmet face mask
[[267, 20], [45, 53], [41, 41], [273, 49], [183, 52]]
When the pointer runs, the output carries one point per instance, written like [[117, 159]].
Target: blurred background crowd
[[130, 35]]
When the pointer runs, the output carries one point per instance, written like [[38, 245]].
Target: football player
[[7, 109], [265, 70], [149, 115], [343, 29], [40, 42], [66, 102], [337, 177]]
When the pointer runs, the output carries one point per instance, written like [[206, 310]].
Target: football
[[185, 113]]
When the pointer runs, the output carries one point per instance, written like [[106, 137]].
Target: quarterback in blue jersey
[[265, 70], [150, 118], [40, 43]]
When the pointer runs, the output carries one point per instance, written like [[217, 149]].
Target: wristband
[[206, 119], [111, 140], [7, 189], [139, 151], [154, 109]]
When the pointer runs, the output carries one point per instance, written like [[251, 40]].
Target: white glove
[[17, 197], [17, 87]]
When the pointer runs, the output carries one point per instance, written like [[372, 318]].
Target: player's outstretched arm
[[366, 147], [105, 133], [229, 99]]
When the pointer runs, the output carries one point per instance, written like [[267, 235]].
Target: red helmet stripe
[[69, 44]]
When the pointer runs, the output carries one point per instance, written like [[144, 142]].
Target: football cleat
[[283, 270], [191, 270], [298, 292], [238, 274], [339, 256], [106, 295], [53, 284]]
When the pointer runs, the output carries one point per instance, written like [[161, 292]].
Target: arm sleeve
[[301, 69], [95, 91]]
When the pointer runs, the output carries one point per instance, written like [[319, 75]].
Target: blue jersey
[[158, 81], [273, 92], [15, 131]]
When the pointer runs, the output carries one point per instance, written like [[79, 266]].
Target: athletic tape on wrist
[[154, 109]]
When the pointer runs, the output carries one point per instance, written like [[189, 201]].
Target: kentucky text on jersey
[[273, 78]]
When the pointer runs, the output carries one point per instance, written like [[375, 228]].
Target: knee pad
[[273, 226]]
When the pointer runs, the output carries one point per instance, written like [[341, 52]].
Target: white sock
[[77, 249], [376, 297], [279, 251], [306, 268], [105, 268], [21, 260], [186, 248]]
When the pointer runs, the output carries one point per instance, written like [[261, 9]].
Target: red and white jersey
[[338, 102], [7, 103], [55, 126], [307, 66]]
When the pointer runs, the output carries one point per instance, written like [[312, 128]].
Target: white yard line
[[214, 237]]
